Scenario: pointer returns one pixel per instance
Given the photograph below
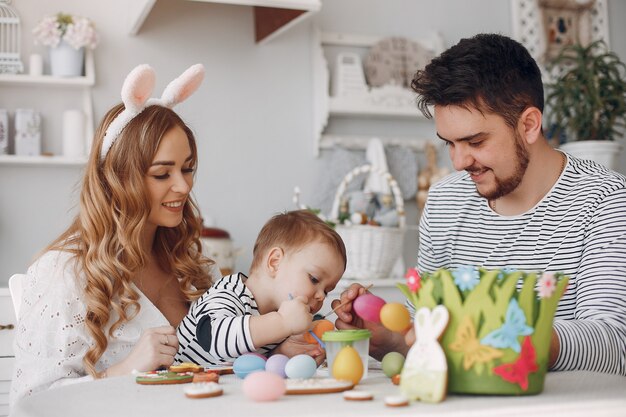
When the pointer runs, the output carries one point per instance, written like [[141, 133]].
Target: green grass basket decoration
[[498, 337]]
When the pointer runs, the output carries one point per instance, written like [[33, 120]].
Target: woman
[[105, 297]]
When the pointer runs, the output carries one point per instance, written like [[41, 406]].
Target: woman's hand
[[297, 345], [156, 347], [383, 340]]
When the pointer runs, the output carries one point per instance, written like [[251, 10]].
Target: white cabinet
[[49, 84], [384, 105], [271, 17], [8, 324]]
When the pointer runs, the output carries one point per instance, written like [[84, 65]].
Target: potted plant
[[67, 36], [586, 103]]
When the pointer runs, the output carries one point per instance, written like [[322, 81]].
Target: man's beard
[[507, 185]]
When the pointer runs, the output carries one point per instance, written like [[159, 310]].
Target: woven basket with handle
[[371, 250]]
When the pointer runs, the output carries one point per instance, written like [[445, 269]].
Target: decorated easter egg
[[248, 363], [368, 306], [392, 363], [395, 317], [300, 366], [319, 328], [276, 364], [348, 365], [263, 386]]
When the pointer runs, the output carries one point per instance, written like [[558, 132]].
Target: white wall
[[253, 115]]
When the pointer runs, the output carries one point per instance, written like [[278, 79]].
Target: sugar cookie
[[186, 367], [355, 395], [396, 401], [203, 390], [316, 386], [163, 377], [206, 377]]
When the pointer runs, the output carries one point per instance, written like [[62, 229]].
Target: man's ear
[[530, 124], [274, 258]]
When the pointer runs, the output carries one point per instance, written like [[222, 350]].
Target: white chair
[[16, 288]]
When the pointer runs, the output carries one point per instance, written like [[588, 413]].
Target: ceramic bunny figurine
[[425, 373]]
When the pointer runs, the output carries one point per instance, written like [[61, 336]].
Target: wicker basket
[[371, 250]]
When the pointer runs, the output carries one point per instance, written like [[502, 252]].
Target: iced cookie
[[316, 386], [186, 367], [203, 390], [163, 377], [396, 401], [355, 395], [206, 377]]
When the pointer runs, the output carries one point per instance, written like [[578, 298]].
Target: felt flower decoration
[[504, 272], [466, 277], [514, 326], [466, 342], [413, 279], [518, 371], [546, 285]]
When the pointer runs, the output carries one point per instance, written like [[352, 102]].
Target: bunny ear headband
[[136, 92]]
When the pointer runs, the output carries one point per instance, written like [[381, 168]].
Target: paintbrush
[[342, 304]]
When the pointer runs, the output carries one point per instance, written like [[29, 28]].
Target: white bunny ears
[[136, 91]]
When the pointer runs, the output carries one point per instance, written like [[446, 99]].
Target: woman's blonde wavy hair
[[105, 236]]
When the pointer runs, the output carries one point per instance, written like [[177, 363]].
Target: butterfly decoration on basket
[[467, 343], [517, 372], [514, 326]]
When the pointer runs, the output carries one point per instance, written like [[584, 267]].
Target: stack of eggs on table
[[264, 378]]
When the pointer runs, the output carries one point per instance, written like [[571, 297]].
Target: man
[[518, 203]]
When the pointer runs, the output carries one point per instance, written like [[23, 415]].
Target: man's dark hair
[[490, 72]]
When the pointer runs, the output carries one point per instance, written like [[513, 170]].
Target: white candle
[[36, 64]]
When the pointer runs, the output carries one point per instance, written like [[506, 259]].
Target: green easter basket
[[498, 337]]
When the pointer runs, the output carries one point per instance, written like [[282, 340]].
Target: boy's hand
[[296, 315], [297, 345]]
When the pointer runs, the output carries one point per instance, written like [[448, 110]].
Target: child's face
[[311, 271], [169, 179]]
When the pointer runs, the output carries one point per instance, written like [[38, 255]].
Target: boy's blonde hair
[[291, 231]]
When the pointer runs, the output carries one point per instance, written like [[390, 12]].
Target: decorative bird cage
[[10, 61]]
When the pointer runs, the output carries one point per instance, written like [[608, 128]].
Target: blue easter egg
[[300, 366], [248, 363], [276, 364]]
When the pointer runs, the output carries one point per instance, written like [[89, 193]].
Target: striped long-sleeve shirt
[[217, 328], [578, 228]]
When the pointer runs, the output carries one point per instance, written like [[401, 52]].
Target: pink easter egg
[[263, 386], [367, 306]]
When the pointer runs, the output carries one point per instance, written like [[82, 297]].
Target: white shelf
[[41, 160], [270, 24], [83, 83], [338, 106], [388, 102], [48, 80]]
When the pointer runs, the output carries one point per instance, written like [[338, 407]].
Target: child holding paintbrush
[[297, 260]]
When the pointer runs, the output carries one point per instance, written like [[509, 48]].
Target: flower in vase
[[413, 280], [77, 31]]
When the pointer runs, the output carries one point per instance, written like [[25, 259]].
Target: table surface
[[565, 393]]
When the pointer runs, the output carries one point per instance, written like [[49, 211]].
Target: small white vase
[[65, 61], [601, 151]]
